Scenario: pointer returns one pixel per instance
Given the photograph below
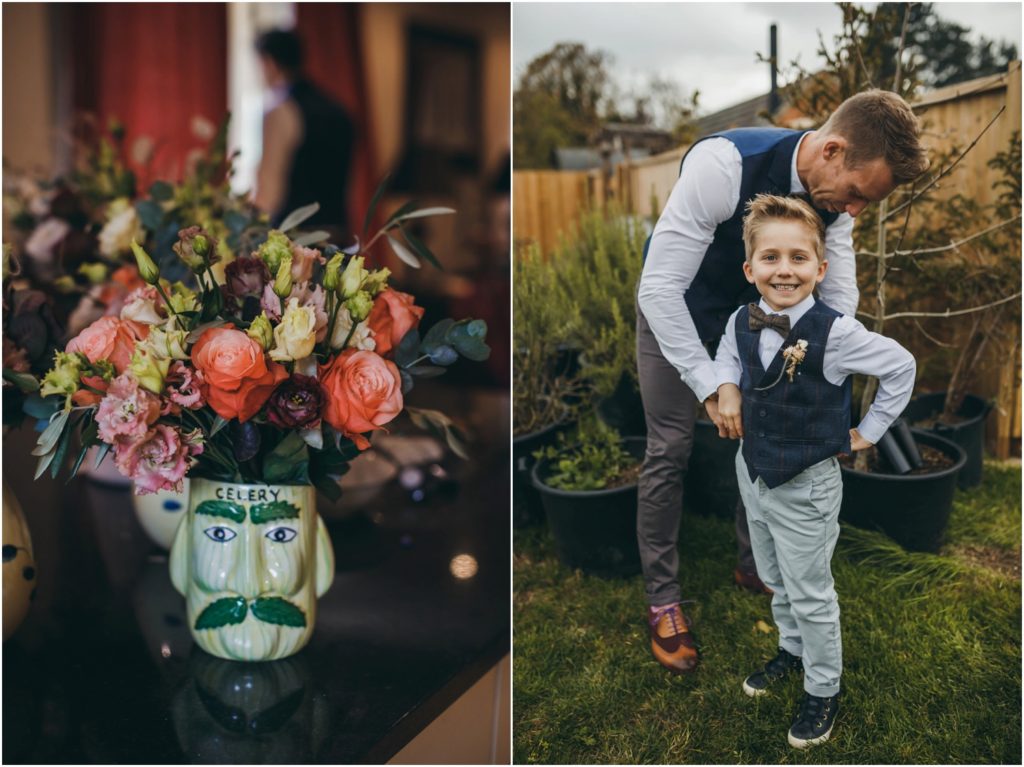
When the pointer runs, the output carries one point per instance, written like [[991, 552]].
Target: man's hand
[[730, 411], [857, 442]]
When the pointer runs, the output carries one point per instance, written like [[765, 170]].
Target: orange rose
[[393, 315], [364, 392], [110, 338], [86, 398], [237, 379]]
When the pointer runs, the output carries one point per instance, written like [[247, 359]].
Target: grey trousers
[[670, 410], [794, 528]]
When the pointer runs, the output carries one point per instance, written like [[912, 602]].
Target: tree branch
[[948, 313], [942, 248], [947, 170]]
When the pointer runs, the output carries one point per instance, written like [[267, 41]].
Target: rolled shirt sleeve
[[705, 195], [852, 348], [839, 287]]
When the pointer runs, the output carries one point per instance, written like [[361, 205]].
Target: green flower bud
[[359, 306], [200, 245], [332, 275], [95, 273], [103, 368], [283, 282], [149, 369], [261, 331], [65, 284], [147, 269], [376, 281], [353, 276], [274, 250]]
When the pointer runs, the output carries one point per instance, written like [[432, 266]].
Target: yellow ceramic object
[[251, 561], [19, 577]]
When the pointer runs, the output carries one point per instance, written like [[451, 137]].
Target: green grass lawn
[[931, 651]]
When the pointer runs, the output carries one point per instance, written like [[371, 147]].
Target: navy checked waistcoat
[[719, 286], [791, 426]]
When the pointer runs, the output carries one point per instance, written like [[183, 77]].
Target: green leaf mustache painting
[[223, 612], [230, 611], [279, 611]]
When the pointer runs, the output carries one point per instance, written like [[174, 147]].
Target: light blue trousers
[[793, 532]]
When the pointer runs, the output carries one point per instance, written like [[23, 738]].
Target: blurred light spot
[[165, 649], [418, 495], [438, 471], [411, 477], [463, 566]]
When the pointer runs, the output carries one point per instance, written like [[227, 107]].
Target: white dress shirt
[[706, 194], [850, 348]]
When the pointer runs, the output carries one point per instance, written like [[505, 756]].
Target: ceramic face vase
[[251, 561], [19, 567]]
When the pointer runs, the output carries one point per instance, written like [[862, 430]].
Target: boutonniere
[[794, 355]]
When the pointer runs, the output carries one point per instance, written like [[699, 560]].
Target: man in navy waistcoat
[[693, 280]]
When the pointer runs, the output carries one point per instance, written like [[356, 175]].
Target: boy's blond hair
[[769, 207]]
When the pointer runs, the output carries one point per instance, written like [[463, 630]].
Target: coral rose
[[364, 392], [237, 379], [393, 315], [109, 338]]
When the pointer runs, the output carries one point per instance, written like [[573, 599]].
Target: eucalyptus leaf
[[403, 252], [298, 215], [436, 335], [48, 439], [161, 191], [443, 355], [373, 204], [42, 408], [150, 214], [313, 237], [427, 371], [407, 350], [407, 382], [25, 382], [422, 250], [425, 212]]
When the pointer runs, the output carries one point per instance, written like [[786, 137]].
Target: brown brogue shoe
[[671, 641], [750, 582]]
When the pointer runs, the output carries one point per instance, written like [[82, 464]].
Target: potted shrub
[[588, 486], [546, 382]]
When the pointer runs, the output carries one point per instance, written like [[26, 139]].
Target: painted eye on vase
[[281, 534], [220, 534]]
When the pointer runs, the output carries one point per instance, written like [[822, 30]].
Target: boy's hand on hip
[[730, 411], [857, 442]]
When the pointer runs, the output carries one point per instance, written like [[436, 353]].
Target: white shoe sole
[[798, 743], [753, 692]]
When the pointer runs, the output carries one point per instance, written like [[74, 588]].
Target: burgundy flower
[[246, 276], [296, 403]]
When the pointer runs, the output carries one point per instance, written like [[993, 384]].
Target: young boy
[[783, 370]]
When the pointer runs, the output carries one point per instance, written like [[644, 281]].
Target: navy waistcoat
[[719, 286], [791, 426]]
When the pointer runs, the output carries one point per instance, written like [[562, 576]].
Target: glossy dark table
[[104, 671]]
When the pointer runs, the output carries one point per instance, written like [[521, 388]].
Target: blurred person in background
[[308, 141]]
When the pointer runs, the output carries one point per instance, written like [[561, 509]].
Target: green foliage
[[590, 457], [931, 651]]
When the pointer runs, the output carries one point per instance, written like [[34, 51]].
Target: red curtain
[[333, 50], [155, 67]]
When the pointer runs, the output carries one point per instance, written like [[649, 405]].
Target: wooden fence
[[546, 204]]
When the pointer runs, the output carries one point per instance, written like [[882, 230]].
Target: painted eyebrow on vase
[[261, 513], [226, 509]]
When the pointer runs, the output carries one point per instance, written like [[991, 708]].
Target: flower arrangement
[[279, 375], [794, 355]]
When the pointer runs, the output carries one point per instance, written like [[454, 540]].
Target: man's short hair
[[769, 207], [284, 48], [879, 123]]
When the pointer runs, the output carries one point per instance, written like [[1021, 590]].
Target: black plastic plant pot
[[969, 434], [594, 530], [710, 487], [912, 509], [624, 409], [526, 506]]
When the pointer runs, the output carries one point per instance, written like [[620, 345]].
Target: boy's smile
[[784, 266]]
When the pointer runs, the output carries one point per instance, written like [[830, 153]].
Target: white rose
[[295, 337], [362, 336], [119, 231], [42, 243], [141, 307]]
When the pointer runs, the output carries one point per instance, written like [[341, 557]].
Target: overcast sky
[[711, 47]]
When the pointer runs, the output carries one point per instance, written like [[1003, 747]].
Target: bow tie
[[759, 320]]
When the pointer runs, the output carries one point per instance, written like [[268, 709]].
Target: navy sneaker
[[814, 720], [777, 668]]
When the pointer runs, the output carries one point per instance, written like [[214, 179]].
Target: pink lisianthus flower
[[144, 305], [270, 303], [302, 262], [183, 388], [159, 459], [314, 296], [127, 411]]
